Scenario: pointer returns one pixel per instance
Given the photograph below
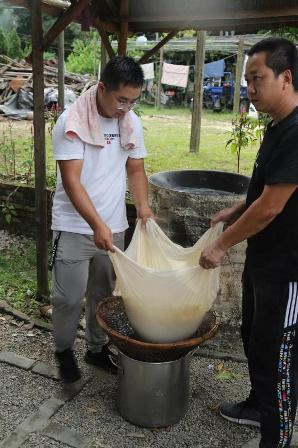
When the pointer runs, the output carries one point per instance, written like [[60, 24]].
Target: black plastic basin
[[201, 181]]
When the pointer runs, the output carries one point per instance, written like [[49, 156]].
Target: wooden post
[[239, 68], [122, 43], [39, 151], [158, 90], [198, 93], [61, 71]]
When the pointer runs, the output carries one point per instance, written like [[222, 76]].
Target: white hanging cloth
[[175, 75], [243, 80], [165, 292], [148, 70]]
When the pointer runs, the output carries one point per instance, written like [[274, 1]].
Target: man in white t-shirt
[[89, 212]]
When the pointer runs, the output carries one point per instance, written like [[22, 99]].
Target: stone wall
[[23, 200], [184, 218]]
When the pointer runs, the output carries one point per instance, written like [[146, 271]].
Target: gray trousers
[[80, 269]]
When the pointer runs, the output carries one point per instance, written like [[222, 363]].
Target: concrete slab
[[48, 370], [64, 435], [16, 360]]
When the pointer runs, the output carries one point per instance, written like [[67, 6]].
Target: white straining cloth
[[165, 292]]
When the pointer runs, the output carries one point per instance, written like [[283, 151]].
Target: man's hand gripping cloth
[[83, 121], [165, 292]]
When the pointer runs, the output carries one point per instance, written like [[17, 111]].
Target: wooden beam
[[104, 37], [122, 42], [104, 57], [110, 27], [155, 49], [39, 152], [64, 20], [198, 93], [61, 64], [239, 67]]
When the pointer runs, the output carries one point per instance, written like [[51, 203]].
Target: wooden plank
[[155, 49], [198, 93], [122, 42], [104, 37], [39, 153], [239, 67]]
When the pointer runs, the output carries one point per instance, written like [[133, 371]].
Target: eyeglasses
[[126, 104]]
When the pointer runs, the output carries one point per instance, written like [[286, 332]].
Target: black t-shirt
[[273, 253]]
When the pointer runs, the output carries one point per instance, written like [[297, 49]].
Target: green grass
[[18, 275], [167, 137]]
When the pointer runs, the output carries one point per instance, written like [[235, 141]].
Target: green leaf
[[225, 375], [234, 147]]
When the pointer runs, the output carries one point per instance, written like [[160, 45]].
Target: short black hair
[[281, 55], [122, 70]]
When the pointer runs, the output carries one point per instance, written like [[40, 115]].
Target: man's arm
[[71, 174], [258, 216], [138, 185], [229, 215]]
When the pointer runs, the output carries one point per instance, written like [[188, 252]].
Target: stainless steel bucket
[[153, 394]]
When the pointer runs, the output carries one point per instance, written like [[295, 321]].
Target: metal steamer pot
[[153, 394]]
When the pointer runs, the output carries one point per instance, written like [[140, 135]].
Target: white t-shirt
[[103, 176]]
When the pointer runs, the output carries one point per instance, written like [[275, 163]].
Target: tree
[[85, 55], [288, 32], [3, 43], [14, 44], [242, 135]]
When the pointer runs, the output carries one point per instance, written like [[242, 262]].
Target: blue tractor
[[218, 93]]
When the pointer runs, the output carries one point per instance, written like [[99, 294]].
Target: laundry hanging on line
[[214, 69], [148, 70], [243, 80], [175, 75]]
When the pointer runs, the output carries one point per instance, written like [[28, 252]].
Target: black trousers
[[269, 333]]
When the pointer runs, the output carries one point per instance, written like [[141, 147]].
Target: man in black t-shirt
[[268, 219]]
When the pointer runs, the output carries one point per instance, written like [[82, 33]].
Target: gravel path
[[93, 412]]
